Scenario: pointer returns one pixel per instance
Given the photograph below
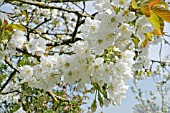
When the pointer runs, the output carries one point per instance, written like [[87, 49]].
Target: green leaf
[[134, 4], [94, 106], [149, 74], [25, 13], [15, 107], [7, 35], [0, 22], [149, 36], [24, 61], [18, 27], [100, 100], [154, 20], [116, 9], [136, 41]]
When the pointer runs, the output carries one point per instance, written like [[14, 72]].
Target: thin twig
[[55, 97], [24, 51], [6, 83], [10, 64], [64, 42], [46, 6]]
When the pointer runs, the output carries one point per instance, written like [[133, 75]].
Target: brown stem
[[43, 5], [6, 83]]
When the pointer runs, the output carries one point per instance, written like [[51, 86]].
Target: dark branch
[[159, 61], [45, 21], [10, 64], [65, 42], [24, 51], [13, 91], [6, 83], [59, 1], [43, 5], [76, 28]]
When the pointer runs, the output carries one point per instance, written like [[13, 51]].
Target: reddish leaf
[[145, 42], [5, 23], [9, 28], [162, 13], [152, 2], [146, 10], [18, 26]]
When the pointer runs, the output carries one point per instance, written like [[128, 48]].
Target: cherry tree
[[57, 52]]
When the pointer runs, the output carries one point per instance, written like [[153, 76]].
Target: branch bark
[[62, 1], [6, 83], [43, 5], [24, 51]]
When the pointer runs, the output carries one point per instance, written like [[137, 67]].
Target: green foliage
[[18, 27], [39, 101]]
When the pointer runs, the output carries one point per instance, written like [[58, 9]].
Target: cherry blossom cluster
[[104, 55]]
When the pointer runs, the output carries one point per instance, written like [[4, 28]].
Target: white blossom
[[125, 16], [142, 26], [90, 26], [101, 5], [121, 3], [36, 46], [104, 55], [26, 72]]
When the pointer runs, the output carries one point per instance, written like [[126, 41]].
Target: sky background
[[147, 85]]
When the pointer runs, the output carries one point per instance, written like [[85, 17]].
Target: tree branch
[[43, 5], [13, 91], [59, 1], [45, 21], [11, 75], [163, 63], [76, 28], [24, 51], [10, 64], [55, 97], [6, 83], [65, 42]]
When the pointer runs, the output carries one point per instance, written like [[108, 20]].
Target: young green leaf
[[154, 20], [100, 99], [134, 4], [25, 13], [18, 27]]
